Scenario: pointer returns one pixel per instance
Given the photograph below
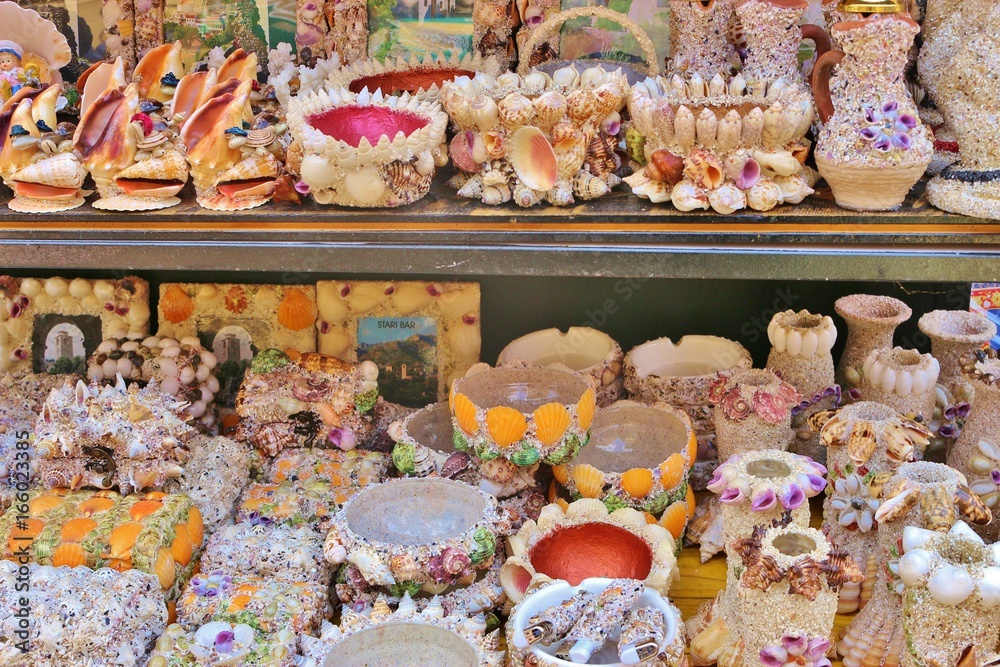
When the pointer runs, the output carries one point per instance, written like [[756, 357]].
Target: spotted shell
[[69, 554], [505, 425], [818, 420], [878, 483], [861, 442], [898, 445], [405, 181], [296, 311], [589, 480], [637, 482], [834, 433], [938, 507], [551, 422], [499, 470], [897, 505], [972, 507], [704, 169]]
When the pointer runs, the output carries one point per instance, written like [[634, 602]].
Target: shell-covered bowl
[[425, 446], [416, 76]]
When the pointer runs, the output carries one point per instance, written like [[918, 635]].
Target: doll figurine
[[11, 72]]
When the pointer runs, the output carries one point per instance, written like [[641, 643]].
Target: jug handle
[[821, 82], [819, 36]]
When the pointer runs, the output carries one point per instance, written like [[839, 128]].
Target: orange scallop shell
[[165, 568], [176, 305], [144, 508], [155, 495], [122, 539], [692, 449], [196, 527], [21, 537], [120, 564], [43, 504], [465, 414], [92, 506], [239, 603], [675, 518], [637, 482], [672, 471], [171, 612], [181, 548], [506, 425], [561, 474], [551, 422], [691, 501], [296, 311], [586, 408], [75, 530], [589, 480], [247, 589], [553, 491], [562, 503], [69, 554], [649, 517]]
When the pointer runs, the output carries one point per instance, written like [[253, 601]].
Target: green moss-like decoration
[[269, 360], [613, 502], [400, 587]]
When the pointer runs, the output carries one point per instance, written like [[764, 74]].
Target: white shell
[[914, 538], [950, 585], [913, 566], [989, 586]]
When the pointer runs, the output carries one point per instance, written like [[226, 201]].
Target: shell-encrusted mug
[[753, 411], [515, 418]]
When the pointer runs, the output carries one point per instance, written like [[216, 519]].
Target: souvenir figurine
[[33, 55]]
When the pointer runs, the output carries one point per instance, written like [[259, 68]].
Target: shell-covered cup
[[425, 446]]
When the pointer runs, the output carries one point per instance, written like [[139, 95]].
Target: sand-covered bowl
[[367, 150], [425, 446], [414, 76], [638, 456]]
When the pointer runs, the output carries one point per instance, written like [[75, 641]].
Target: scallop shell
[[195, 526], [296, 311], [675, 518], [93, 506], [585, 409], [122, 539], [465, 414], [181, 548], [672, 471], [637, 482], [551, 422], [533, 159], [69, 554], [861, 442], [43, 504], [561, 473], [176, 305], [165, 568], [505, 425], [144, 508], [589, 480], [938, 507], [75, 530]]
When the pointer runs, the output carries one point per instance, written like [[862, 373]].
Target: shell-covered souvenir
[[871, 320], [273, 604], [413, 535], [198, 87], [583, 350], [584, 540], [111, 437], [604, 614], [951, 595], [427, 637], [418, 77], [367, 150], [508, 428], [36, 54], [315, 401], [425, 446], [37, 160], [158, 73], [753, 411], [214, 475], [338, 468], [905, 380], [291, 504], [638, 456], [536, 137], [223, 643], [273, 552], [156, 533], [493, 23], [866, 442], [21, 399], [78, 616], [956, 334]]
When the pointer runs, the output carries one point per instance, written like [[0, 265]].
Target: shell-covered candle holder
[[425, 446], [585, 540], [367, 149], [871, 321], [223, 643], [413, 535], [427, 637], [638, 456], [37, 160], [753, 411], [653, 628], [583, 350], [419, 77], [951, 596], [514, 418], [866, 442], [536, 137], [956, 334], [905, 380]]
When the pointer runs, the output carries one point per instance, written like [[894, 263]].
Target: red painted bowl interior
[[592, 550], [409, 81], [351, 123]]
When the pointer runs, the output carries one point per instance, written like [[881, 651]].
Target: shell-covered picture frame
[[422, 335], [236, 322], [53, 325]]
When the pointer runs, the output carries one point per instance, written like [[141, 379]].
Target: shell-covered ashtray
[[536, 137], [403, 638], [583, 350], [367, 150], [520, 416], [337, 468], [419, 534], [217, 471], [78, 616], [273, 604], [156, 533], [546, 614], [414, 76], [584, 540], [272, 552], [317, 400], [221, 643], [639, 456], [425, 446]]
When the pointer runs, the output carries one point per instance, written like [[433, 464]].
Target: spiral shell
[[260, 138], [704, 169]]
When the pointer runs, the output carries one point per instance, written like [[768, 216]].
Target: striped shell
[[144, 508], [561, 473], [165, 568], [43, 504], [405, 181], [93, 506], [551, 422], [637, 482], [834, 433], [861, 442], [181, 548], [260, 138], [897, 505], [675, 518], [505, 425], [526, 456], [971, 507], [176, 305], [589, 480], [938, 507]]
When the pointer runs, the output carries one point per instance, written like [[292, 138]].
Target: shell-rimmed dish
[[417, 534], [425, 446], [584, 540], [222, 643], [419, 77], [638, 456], [583, 350]]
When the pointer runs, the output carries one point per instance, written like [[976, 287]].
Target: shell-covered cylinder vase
[[425, 446], [753, 411], [871, 321], [905, 380], [956, 334]]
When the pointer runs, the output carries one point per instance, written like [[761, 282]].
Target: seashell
[[516, 111], [706, 127], [485, 113], [495, 145], [152, 68], [753, 125], [914, 566], [861, 442], [665, 167], [581, 105], [525, 196], [93, 506], [610, 99], [589, 480], [686, 196], [505, 425], [176, 305], [144, 508], [897, 506], [499, 470], [704, 169], [195, 526], [60, 171], [950, 585], [727, 198], [675, 518], [938, 507], [566, 77], [780, 163], [204, 134], [460, 150], [586, 408], [587, 186], [69, 554], [793, 188], [260, 138], [601, 159], [696, 87], [551, 422], [550, 108], [102, 139], [569, 159], [729, 132], [123, 538], [764, 195], [75, 530], [876, 486], [165, 568], [405, 181], [533, 159], [296, 311], [898, 446], [464, 411], [684, 128], [971, 506], [365, 187], [239, 64], [494, 195], [181, 548], [638, 482], [749, 174]]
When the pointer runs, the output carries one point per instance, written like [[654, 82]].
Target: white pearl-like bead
[[913, 566], [950, 585]]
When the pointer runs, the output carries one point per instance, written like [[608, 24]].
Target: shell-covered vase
[[367, 150], [538, 137], [866, 443], [638, 456], [956, 334], [871, 321], [425, 446], [753, 411], [583, 539], [416, 76], [905, 380], [702, 34], [951, 599]]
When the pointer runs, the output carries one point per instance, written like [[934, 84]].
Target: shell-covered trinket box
[[334, 467], [310, 503], [214, 475], [272, 552], [219, 643], [316, 400]]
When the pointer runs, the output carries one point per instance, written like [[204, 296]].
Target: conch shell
[[191, 91], [239, 65], [97, 79], [154, 66], [103, 140], [204, 136]]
